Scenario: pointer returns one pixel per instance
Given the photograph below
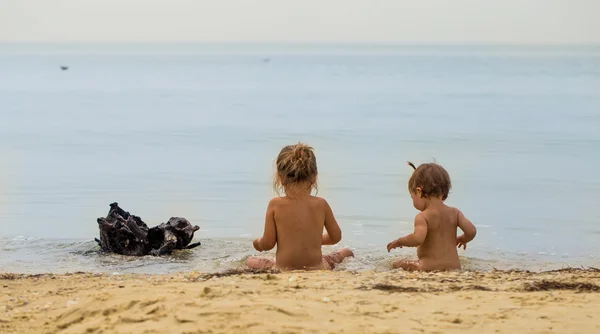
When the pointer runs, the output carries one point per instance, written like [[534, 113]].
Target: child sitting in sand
[[436, 225], [295, 221]]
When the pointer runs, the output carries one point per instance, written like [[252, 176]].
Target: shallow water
[[31, 255], [193, 130]]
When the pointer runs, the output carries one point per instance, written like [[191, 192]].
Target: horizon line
[[298, 43]]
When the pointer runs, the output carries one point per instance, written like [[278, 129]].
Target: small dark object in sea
[[126, 234], [64, 68]]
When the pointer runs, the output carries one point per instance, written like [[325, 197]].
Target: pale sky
[[342, 21]]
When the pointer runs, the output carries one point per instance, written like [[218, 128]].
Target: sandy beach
[[303, 302]]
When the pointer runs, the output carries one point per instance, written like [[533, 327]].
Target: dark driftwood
[[124, 233]]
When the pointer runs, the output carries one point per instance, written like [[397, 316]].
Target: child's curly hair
[[295, 164], [432, 178]]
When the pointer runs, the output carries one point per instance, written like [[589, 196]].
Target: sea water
[[193, 130]]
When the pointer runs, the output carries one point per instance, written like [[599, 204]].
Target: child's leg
[[336, 257], [407, 265], [257, 262]]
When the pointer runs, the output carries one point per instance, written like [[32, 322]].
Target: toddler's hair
[[295, 164], [432, 178]]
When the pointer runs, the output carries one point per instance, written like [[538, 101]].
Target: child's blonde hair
[[295, 164], [433, 180]]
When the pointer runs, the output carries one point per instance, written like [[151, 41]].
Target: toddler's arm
[[334, 233], [469, 230], [414, 239], [269, 238]]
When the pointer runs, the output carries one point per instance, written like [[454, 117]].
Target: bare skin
[[295, 224], [435, 236]]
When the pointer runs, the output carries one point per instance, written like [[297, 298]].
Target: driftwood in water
[[124, 233]]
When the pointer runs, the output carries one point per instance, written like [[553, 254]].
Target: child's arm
[[334, 233], [469, 230], [269, 238], [414, 239]]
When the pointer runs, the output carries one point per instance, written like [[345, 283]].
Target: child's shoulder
[[445, 210], [319, 200], [282, 200], [276, 200], [453, 209]]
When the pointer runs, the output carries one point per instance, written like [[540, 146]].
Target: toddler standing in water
[[295, 222], [436, 225]]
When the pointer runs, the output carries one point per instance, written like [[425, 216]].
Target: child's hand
[[460, 242], [393, 244], [257, 245]]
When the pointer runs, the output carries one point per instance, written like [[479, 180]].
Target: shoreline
[[66, 256], [241, 301], [7, 275]]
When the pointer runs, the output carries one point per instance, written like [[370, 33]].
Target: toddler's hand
[[256, 245], [460, 242], [392, 245]]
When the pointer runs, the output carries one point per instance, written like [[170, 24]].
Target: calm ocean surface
[[192, 131]]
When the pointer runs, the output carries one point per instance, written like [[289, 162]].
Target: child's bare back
[[435, 232], [299, 226], [295, 222], [438, 251]]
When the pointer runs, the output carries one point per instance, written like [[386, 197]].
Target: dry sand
[[566, 301]]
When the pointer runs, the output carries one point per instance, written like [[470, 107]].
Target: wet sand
[[303, 302]]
